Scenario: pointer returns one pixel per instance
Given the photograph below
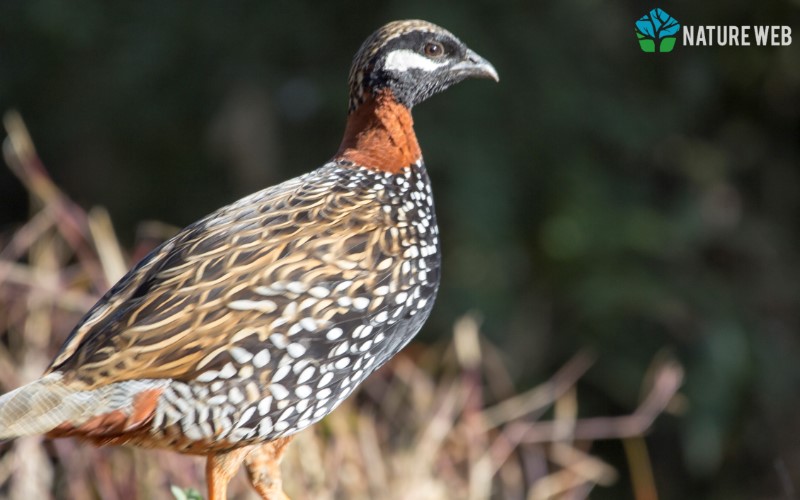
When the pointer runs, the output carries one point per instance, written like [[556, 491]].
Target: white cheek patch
[[404, 60]]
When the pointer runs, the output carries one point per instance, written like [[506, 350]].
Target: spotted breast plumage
[[258, 320]]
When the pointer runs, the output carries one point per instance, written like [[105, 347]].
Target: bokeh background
[[598, 197]]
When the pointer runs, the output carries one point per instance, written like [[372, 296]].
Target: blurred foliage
[[187, 494], [597, 196]]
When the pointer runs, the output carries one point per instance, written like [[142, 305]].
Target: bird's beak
[[474, 66]]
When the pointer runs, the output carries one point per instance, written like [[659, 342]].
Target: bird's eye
[[433, 50]]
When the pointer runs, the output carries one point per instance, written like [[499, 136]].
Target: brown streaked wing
[[173, 311]]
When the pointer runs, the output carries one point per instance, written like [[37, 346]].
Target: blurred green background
[[598, 196]]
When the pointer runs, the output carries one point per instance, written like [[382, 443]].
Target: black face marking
[[413, 85], [413, 60]]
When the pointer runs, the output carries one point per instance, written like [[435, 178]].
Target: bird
[[258, 320]]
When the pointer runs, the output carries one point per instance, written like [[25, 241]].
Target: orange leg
[[220, 468], [264, 468]]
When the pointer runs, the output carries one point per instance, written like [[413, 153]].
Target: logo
[[656, 31]]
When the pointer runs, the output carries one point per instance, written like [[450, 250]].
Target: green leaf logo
[[656, 31]]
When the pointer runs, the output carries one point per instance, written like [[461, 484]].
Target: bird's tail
[[38, 407], [48, 403]]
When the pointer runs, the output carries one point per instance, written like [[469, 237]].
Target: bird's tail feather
[[37, 407], [47, 403]]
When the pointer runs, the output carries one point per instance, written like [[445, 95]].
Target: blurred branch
[[20, 155], [108, 250], [789, 491], [668, 379], [540, 396], [69, 300], [641, 470], [25, 236]]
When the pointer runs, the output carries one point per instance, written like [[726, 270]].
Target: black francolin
[[258, 320]]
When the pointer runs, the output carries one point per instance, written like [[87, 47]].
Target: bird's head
[[413, 60]]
